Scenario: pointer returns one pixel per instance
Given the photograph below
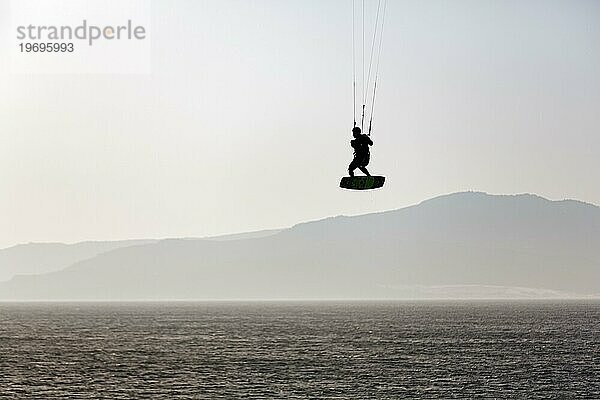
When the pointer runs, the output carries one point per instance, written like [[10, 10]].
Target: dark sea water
[[393, 350]]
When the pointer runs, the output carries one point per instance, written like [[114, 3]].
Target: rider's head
[[356, 131]]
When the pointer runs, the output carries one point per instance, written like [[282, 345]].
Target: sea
[[301, 350]]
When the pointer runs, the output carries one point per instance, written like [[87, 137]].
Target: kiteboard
[[362, 182]]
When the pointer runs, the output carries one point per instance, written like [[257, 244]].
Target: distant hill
[[39, 258], [460, 245]]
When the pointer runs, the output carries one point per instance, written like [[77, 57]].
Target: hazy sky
[[244, 122]]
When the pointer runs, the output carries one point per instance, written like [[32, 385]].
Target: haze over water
[[300, 350]]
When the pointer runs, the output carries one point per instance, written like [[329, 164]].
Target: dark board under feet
[[362, 182]]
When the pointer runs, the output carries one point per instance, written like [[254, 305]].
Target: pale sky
[[244, 122]]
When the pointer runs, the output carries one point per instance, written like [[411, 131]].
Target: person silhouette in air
[[362, 155]]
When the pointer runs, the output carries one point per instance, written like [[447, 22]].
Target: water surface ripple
[[294, 350]]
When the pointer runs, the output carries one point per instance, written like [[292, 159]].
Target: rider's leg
[[353, 165]]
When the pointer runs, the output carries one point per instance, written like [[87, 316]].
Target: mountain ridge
[[460, 239]]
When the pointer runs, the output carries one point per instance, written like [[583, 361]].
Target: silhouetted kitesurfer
[[362, 155]]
